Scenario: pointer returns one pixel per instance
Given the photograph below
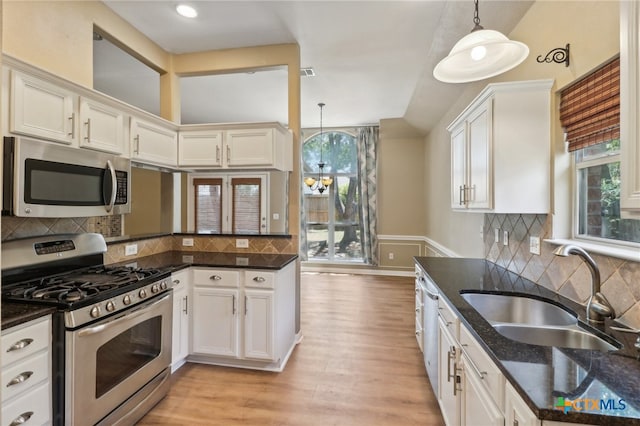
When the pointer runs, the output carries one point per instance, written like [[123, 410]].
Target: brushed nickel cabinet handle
[[22, 418], [215, 277], [217, 154], [73, 125], [176, 282], [186, 305], [245, 306], [233, 305], [20, 344], [88, 124], [259, 279], [20, 378], [136, 144]]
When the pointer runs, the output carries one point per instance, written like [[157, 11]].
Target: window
[[333, 222], [598, 195], [590, 114], [228, 203]]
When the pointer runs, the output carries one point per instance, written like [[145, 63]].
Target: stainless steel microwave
[[42, 179]]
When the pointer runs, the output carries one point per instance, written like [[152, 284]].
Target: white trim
[[603, 249], [440, 248], [402, 237], [363, 271]]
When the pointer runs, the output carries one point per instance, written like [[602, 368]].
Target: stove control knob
[[126, 299], [111, 306], [163, 285], [143, 293], [95, 312], [155, 288]]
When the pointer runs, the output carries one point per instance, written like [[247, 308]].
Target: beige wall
[[147, 201], [592, 28]]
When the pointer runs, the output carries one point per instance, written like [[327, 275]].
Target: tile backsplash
[[568, 276], [22, 227]]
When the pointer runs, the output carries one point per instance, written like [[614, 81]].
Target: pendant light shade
[[479, 55]]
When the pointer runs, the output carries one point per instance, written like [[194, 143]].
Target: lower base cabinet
[[517, 413], [181, 307], [243, 318]]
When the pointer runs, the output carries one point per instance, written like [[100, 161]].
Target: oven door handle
[[130, 315]]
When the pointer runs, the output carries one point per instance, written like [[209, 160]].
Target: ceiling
[[372, 59]]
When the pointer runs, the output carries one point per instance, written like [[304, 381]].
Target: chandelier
[[322, 183]]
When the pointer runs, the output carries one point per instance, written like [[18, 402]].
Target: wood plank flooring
[[358, 364]]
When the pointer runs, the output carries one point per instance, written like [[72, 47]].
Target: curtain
[[367, 164]]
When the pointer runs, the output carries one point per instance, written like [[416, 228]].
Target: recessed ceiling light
[[186, 11]]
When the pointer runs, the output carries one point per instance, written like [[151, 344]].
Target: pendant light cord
[[476, 18], [321, 105]]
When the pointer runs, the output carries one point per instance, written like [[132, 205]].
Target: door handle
[[88, 137]]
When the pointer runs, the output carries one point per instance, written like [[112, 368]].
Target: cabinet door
[[259, 324], [41, 109], [479, 194], [180, 341], [200, 148], [215, 321], [458, 166], [478, 407], [154, 144], [448, 377], [249, 147], [101, 127], [516, 411]]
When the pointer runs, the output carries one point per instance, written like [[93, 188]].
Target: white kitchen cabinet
[[181, 309], [500, 150], [153, 143], [419, 306], [630, 108], [449, 375], [42, 109], [101, 127], [243, 147], [200, 148], [243, 317], [26, 373], [516, 411]]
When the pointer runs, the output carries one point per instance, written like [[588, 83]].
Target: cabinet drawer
[[180, 279], [32, 408], [259, 279], [216, 278], [24, 375], [449, 317], [24, 340], [490, 375]]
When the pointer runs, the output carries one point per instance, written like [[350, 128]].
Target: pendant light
[[479, 55], [322, 183]]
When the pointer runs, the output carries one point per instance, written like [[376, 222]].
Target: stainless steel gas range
[[112, 329]]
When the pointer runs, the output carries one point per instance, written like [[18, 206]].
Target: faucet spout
[[598, 307]]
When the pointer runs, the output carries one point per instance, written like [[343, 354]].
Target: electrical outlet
[[391, 256], [505, 238], [130, 249], [496, 235], [187, 242], [276, 216], [534, 245], [242, 243]]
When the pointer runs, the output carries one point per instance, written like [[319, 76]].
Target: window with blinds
[[246, 205], [208, 205]]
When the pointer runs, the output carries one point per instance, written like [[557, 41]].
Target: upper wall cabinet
[[501, 148], [255, 146], [101, 127], [630, 108], [153, 143], [41, 109]]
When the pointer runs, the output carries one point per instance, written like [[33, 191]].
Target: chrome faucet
[[598, 307]]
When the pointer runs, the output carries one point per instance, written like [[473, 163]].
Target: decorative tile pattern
[[568, 276], [22, 227]]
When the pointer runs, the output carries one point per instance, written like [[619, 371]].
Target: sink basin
[[534, 321], [499, 308], [562, 337]]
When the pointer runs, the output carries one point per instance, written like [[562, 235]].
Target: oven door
[[109, 361]]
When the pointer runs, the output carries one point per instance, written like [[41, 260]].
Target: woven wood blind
[[590, 108]]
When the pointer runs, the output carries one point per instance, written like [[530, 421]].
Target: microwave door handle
[[114, 187]]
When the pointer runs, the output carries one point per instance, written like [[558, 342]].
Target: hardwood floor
[[358, 364]]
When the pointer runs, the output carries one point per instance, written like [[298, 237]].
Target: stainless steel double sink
[[536, 322]]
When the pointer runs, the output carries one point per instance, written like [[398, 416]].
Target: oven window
[[126, 353]]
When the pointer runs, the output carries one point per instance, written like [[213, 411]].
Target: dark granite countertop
[[541, 374], [132, 238], [176, 260], [18, 313]]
